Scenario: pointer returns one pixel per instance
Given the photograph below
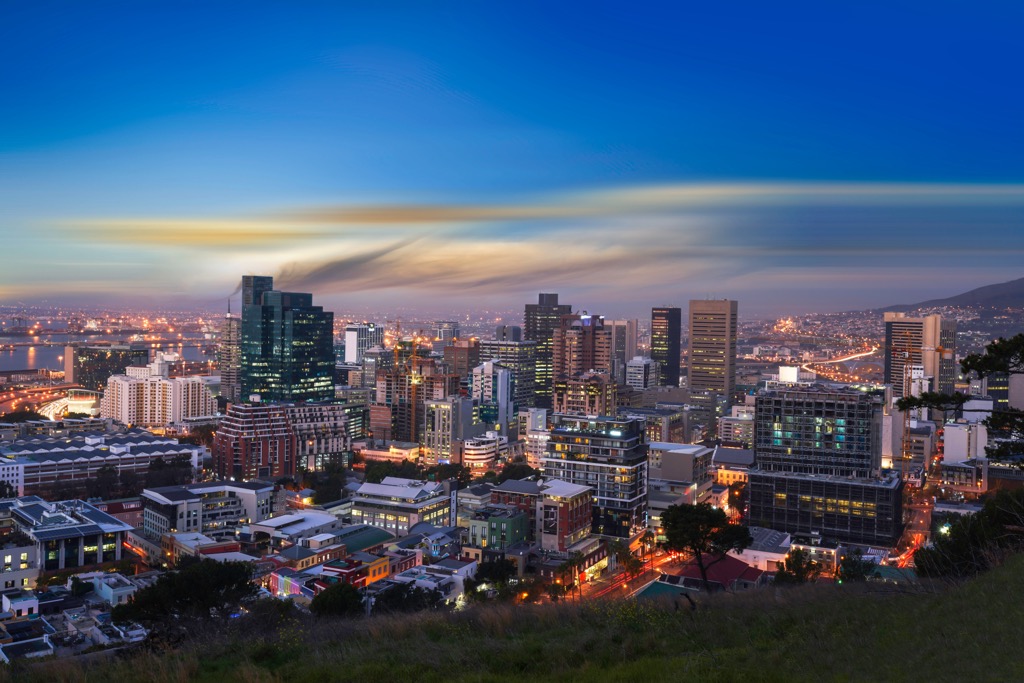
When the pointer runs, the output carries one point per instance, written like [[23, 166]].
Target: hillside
[[1002, 295], [801, 634]]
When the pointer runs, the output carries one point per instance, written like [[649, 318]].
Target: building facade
[[666, 343], [610, 456], [712, 365], [287, 347], [540, 322], [928, 342]]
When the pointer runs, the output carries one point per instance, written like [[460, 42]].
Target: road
[[617, 585], [917, 533], [21, 399]]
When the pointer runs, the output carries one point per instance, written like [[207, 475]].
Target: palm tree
[[647, 540]]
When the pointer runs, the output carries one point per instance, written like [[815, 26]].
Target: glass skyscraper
[[287, 345]]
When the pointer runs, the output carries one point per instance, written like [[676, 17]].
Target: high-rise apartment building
[[713, 333], [287, 345], [447, 422], [229, 358], [610, 456], [359, 337], [581, 344], [818, 457], [158, 401], [521, 358], [540, 322], [666, 335], [397, 414], [929, 342], [588, 393]]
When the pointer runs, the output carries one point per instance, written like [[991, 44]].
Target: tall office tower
[[461, 356], [539, 324], [359, 337], [493, 388], [929, 342], [818, 454], [287, 346], [712, 349], [229, 358], [512, 333], [666, 333], [587, 393], [253, 287], [92, 365], [610, 456], [642, 373], [521, 358], [625, 335], [581, 344]]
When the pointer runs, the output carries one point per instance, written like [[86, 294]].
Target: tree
[[517, 471], [376, 471], [200, 435], [21, 416], [339, 600], [705, 532], [407, 598], [975, 543], [104, 484], [460, 473], [853, 567], [7, 491], [195, 589], [797, 568], [1005, 425], [498, 571]]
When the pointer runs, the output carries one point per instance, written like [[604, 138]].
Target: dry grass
[[802, 634]]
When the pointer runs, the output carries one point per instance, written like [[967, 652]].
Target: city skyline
[[478, 156]]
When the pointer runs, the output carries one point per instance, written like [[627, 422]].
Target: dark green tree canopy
[[704, 532], [1005, 425], [339, 600]]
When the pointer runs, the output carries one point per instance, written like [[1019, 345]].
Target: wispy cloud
[[610, 238]]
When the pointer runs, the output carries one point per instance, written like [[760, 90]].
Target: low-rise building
[[67, 534], [216, 509], [396, 504]]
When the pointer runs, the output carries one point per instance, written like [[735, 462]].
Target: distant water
[[42, 355]]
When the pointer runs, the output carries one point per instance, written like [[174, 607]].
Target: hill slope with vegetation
[[842, 633]]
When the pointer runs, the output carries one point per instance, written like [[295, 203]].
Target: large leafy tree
[[704, 532], [339, 600], [1005, 425], [197, 587], [798, 567]]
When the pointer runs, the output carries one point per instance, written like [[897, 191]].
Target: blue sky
[[830, 157]]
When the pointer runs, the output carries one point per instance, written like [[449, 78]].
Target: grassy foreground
[[967, 633]]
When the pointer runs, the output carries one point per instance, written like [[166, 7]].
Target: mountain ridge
[[1000, 295]]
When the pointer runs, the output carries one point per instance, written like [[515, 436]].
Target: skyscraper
[[929, 342], [229, 358], [666, 331], [540, 321], [624, 345], [713, 333], [287, 345], [521, 358]]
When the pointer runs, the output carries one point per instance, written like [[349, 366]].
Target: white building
[[359, 337], [537, 436], [642, 373], [482, 453], [150, 399], [964, 441], [397, 504]]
